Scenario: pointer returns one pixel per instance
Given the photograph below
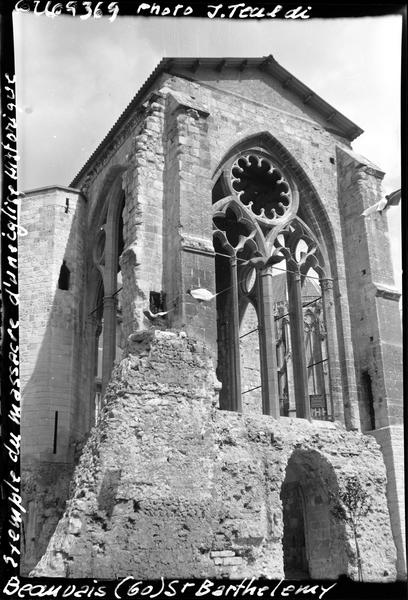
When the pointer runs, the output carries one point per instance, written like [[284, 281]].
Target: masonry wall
[[50, 336], [376, 323], [170, 485], [134, 157], [233, 118], [189, 255], [169, 151], [50, 319]]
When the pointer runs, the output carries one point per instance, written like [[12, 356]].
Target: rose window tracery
[[261, 187]]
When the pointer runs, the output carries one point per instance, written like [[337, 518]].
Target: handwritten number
[[97, 11], [88, 6], [114, 9], [71, 7]]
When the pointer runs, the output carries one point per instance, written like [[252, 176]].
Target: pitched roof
[[268, 64]]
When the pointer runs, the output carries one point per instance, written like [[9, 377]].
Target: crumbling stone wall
[[45, 490], [170, 485], [376, 325]]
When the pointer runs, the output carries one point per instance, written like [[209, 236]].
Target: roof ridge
[[267, 64]]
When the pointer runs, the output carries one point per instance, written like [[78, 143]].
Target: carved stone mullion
[[297, 342], [335, 399]]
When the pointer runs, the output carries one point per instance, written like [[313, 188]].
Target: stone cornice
[[386, 292], [197, 245], [52, 188], [361, 163]]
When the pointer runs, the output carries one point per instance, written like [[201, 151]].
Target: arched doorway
[[313, 543], [295, 561]]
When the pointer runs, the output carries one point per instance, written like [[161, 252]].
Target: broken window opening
[[107, 298], [157, 302], [64, 277], [119, 335], [251, 387], [98, 356], [289, 365], [315, 348], [287, 407]]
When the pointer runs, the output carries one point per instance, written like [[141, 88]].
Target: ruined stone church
[[211, 341]]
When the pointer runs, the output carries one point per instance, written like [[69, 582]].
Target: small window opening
[[363, 272], [66, 206], [54, 451], [157, 301], [368, 402], [64, 276], [333, 162]]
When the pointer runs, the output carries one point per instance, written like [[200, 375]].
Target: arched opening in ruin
[[313, 542], [105, 296], [294, 538], [272, 294], [98, 351], [250, 353]]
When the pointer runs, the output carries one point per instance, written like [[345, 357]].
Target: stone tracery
[[260, 186], [257, 228]]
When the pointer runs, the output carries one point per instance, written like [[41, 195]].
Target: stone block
[[232, 560], [221, 553]]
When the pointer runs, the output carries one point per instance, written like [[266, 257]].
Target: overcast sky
[[75, 77]]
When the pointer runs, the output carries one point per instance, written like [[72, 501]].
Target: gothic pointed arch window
[[105, 315], [270, 270]]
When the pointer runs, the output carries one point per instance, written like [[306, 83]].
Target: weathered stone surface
[[168, 478], [45, 490], [168, 484]]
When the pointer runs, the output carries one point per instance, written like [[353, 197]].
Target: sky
[[75, 77]]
